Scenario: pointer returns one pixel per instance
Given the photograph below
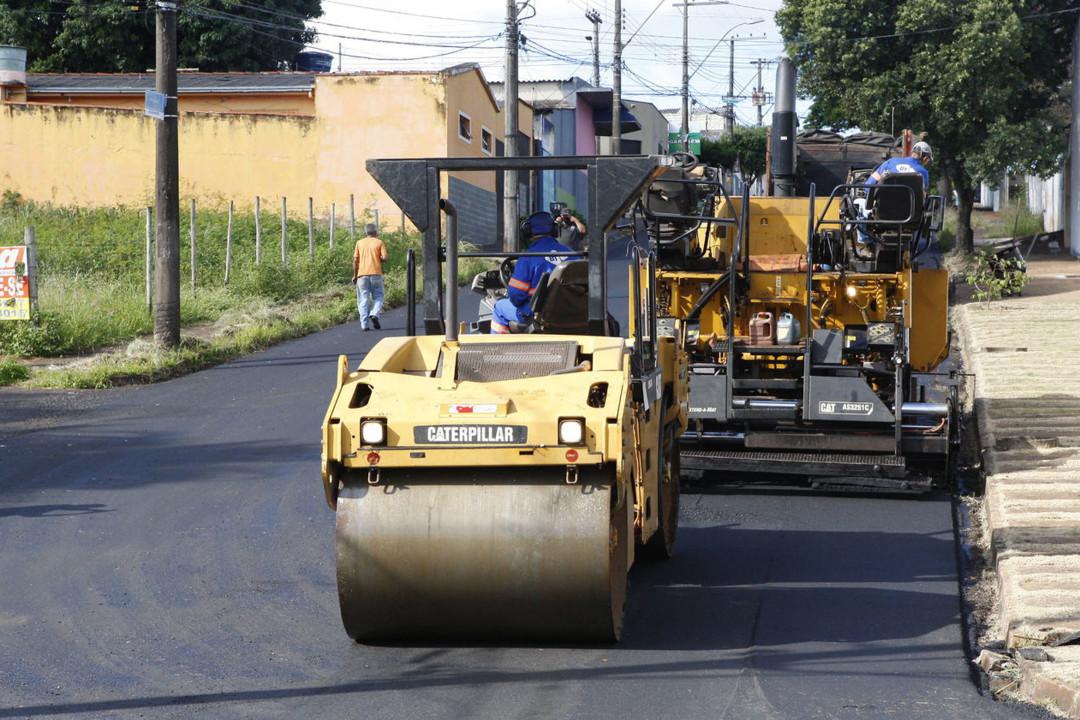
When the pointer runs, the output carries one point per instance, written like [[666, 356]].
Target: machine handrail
[[737, 251]]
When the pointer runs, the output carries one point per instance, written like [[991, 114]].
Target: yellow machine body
[[777, 232]]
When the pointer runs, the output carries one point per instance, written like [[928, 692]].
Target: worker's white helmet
[[920, 149]]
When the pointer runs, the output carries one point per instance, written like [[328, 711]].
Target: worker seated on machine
[[916, 163], [512, 313]]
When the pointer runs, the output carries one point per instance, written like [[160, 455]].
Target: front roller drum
[[449, 554]]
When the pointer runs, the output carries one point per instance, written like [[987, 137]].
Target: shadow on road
[[53, 510]]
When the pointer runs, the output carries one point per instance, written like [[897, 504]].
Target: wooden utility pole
[[167, 184], [510, 130]]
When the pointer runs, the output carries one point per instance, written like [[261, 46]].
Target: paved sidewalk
[[1024, 353]]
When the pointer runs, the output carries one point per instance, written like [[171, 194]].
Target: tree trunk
[[944, 188], [965, 193], [965, 236]]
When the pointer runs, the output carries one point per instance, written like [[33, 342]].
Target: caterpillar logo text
[[845, 408]]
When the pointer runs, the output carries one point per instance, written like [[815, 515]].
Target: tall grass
[[91, 262], [1018, 221]]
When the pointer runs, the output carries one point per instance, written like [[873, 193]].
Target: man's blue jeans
[[369, 297]]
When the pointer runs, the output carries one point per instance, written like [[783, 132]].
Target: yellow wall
[[375, 116], [293, 103], [76, 156], [70, 155]]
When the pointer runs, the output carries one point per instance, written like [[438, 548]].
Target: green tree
[[748, 147], [983, 79], [108, 36]]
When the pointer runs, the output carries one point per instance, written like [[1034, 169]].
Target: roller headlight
[[373, 431], [571, 431]]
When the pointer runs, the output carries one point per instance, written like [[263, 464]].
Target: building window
[[464, 127], [487, 142]]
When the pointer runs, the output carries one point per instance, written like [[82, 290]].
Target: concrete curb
[[1025, 358]]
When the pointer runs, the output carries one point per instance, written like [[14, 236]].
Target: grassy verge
[[236, 333]]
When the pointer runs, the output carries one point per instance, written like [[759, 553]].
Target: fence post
[[149, 258], [352, 218], [311, 228], [376, 218], [284, 231], [228, 244], [194, 275], [402, 224], [333, 213], [410, 292], [31, 267], [258, 232]]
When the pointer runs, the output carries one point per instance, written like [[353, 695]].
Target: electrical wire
[[253, 27], [250, 22]]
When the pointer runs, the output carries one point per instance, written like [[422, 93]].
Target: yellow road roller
[[500, 486]]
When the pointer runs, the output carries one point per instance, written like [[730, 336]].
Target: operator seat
[[897, 200], [895, 221], [560, 304]]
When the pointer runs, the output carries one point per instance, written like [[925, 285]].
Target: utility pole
[[616, 84], [685, 129], [760, 96], [167, 184], [594, 17], [1072, 169], [731, 93], [510, 131], [686, 66]]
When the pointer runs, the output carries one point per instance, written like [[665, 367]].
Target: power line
[[254, 27]]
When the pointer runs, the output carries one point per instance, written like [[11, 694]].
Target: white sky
[[433, 34]]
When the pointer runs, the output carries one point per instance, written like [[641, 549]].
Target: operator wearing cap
[[916, 162], [527, 273], [920, 157]]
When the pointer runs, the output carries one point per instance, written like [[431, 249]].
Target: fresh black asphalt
[[166, 552]]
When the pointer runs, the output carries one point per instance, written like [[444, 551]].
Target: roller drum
[[447, 554]]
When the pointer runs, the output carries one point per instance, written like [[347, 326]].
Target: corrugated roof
[[186, 82]]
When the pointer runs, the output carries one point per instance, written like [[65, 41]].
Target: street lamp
[[730, 111], [753, 21], [686, 64]]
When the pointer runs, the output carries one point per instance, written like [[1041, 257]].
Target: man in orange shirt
[[368, 257]]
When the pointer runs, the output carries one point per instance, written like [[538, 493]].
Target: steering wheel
[[847, 208], [687, 161], [506, 271]]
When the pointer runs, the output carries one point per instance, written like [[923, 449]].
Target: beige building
[[83, 140]]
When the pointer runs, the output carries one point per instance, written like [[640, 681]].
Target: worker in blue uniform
[[527, 273], [921, 155], [916, 162]]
